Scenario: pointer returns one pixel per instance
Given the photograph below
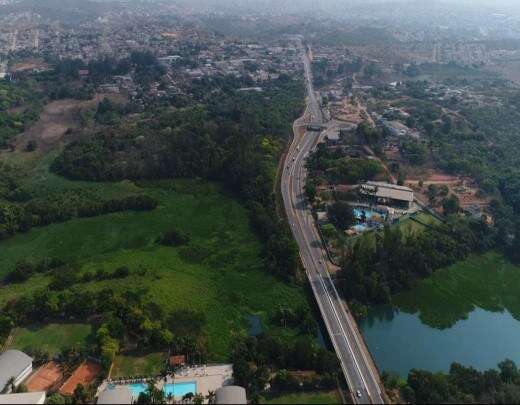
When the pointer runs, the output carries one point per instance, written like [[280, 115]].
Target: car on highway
[[358, 393]]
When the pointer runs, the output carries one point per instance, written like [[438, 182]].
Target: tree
[[81, 395], [198, 399], [310, 191], [433, 191], [154, 394], [9, 385], [211, 396], [31, 146], [451, 205], [508, 371], [57, 399], [175, 238], [341, 215]]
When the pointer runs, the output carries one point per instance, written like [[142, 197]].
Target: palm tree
[[155, 394], [211, 396], [187, 397], [198, 399], [9, 385]]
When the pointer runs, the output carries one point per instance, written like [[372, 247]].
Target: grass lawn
[[408, 225], [305, 398], [51, 338], [132, 366], [220, 272], [487, 281]]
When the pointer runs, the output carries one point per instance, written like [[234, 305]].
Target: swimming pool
[[369, 214], [137, 389], [178, 390]]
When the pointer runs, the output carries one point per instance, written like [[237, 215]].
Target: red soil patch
[[46, 377], [442, 178], [84, 374]]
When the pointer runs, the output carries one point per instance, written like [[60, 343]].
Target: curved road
[[360, 372]]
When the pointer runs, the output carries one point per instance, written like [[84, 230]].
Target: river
[[399, 341]]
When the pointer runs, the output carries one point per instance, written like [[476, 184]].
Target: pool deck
[[207, 377]]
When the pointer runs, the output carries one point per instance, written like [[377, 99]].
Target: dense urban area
[[235, 202]]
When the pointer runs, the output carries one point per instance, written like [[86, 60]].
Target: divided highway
[[361, 374]]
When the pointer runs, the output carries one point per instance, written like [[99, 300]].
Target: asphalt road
[[360, 373]]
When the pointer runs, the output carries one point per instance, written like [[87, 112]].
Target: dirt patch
[[56, 119], [84, 374], [30, 64], [45, 378], [465, 188]]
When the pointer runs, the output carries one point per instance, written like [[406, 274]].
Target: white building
[[23, 398], [14, 364]]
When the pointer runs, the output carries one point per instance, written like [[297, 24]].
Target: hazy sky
[[503, 5]]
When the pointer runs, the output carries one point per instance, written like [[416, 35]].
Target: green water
[[399, 341]]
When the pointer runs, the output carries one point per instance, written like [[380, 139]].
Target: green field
[[131, 366], [409, 225], [487, 281], [51, 338], [305, 398], [220, 273]]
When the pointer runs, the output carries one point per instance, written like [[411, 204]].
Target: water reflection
[[400, 341]]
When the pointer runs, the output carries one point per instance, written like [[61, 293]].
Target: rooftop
[[23, 398], [12, 364], [387, 190]]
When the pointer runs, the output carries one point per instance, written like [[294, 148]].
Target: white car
[[358, 393]]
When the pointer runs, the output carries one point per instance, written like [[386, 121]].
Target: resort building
[[23, 398], [388, 194], [14, 364], [231, 394]]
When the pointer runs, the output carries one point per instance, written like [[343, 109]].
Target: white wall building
[[14, 364]]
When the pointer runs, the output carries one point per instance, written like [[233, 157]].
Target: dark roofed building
[[388, 194]]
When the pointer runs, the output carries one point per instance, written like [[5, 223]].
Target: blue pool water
[[358, 213], [178, 390], [137, 389]]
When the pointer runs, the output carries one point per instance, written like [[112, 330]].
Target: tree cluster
[[461, 385], [15, 217], [373, 272], [255, 359], [119, 319], [234, 138]]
